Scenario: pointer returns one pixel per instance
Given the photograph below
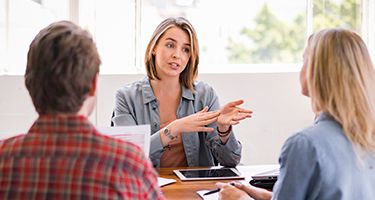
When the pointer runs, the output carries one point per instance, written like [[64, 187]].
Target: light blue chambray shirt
[[320, 163], [136, 104]]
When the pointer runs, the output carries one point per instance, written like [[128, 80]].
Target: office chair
[[113, 115]]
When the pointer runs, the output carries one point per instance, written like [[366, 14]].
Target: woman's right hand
[[229, 192], [195, 122], [241, 192]]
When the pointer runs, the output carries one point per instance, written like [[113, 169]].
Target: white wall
[[279, 109]]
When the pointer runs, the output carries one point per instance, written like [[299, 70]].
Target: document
[[165, 181], [214, 196], [139, 135]]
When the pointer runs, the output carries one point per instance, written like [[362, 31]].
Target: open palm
[[231, 114]]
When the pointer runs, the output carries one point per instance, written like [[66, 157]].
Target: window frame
[[367, 33]]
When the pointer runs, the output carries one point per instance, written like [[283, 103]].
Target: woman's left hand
[[231, 114]]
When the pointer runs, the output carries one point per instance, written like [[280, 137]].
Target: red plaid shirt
[[64, 157]]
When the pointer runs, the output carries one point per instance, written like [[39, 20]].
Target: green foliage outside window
[[275, 41]]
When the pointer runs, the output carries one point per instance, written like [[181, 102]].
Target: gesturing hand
[[196, 122], [231, 114]]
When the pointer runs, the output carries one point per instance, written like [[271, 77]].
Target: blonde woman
[[335, 157], [187, 125]]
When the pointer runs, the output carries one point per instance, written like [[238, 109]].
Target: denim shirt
[[320, 163], [136, 104]]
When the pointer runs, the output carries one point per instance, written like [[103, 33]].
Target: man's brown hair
[[62, 63]]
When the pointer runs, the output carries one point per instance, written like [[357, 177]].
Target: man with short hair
[[63, 156]]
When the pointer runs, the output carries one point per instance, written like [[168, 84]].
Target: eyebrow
[[187, 44]]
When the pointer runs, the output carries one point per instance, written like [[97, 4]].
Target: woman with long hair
[[335, 157]]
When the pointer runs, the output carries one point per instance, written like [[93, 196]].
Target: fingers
[[198, 121], [207, 118], [248, 189], [230, 191], [240, 116], [240, 186], [256, 193], [220, 184], [205, 129], [233, 118], [235, 103], [205, 109], [233, 108], [243, 110]]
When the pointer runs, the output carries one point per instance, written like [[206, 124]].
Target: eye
[[169, 45], [186, 50]]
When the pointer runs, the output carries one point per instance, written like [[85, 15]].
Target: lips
[[174, 65]]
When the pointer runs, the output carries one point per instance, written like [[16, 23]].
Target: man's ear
[[93, 86]]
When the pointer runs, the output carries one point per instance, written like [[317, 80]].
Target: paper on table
[[165, 181], [139, 135], [214, 196]]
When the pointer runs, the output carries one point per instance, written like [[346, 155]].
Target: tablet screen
[[205, 174]]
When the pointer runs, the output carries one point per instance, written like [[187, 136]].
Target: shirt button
[[154, 106]]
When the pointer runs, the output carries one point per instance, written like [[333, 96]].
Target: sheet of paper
[[214, 196], [139, 135], [165, 181]]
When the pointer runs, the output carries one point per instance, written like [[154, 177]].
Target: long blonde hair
[[341, 82]]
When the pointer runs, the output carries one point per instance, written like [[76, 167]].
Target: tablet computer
[[207, 174]]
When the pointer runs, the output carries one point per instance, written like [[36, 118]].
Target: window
[[112, 22], [234, 36], [337, 13], [20, 21], [237, 32]]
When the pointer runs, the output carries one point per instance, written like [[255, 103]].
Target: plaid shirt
[[64, 157]]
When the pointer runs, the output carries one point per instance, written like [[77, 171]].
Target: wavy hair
[[341, 82]]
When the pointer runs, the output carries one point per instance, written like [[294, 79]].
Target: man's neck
[[87, 106]]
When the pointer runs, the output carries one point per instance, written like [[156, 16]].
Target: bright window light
[[235, 36]]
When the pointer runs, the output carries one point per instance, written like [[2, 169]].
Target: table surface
[[188, 189]]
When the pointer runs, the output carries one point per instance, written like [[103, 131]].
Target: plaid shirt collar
[[61, 124]]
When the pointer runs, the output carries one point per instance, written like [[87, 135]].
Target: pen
[[212, 191], [215, 190]]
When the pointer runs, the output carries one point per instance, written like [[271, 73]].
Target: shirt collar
[[187, 94], [148, 94], [67, 124], [321, 117]]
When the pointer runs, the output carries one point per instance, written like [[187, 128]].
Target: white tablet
[[208, 174]]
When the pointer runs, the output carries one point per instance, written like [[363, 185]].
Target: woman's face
[[303, 76], [172, 53]]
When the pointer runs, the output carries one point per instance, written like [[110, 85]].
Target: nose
[[176, 54]]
